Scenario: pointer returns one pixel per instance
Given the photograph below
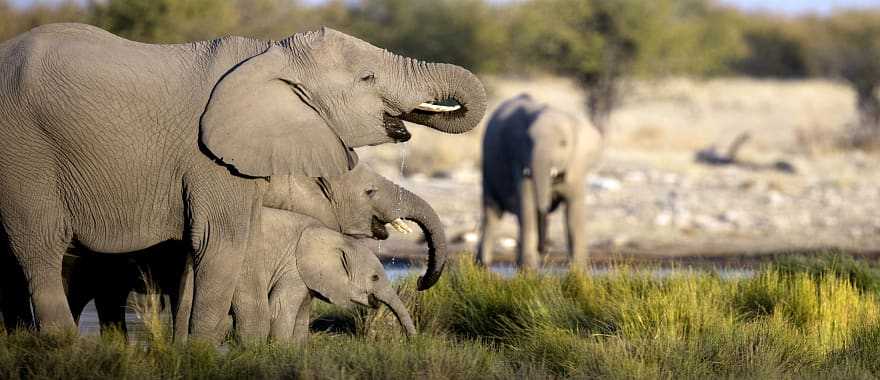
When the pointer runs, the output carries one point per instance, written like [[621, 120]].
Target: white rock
[[507, 243], [604, 183], [663, 219]]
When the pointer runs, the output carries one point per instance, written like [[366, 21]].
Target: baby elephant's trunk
[[391, 299]]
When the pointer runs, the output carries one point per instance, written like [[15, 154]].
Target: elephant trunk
[[392, 300], [440, 84], [416, 209]]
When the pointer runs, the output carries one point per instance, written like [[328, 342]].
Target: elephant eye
[[370, 192], [375, 277], [368, 77]]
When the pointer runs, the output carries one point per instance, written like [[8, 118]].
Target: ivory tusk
[[437, 108], [399, 225]]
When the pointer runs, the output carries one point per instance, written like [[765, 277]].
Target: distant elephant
[[536, 157], [358, 203], [115, 146]]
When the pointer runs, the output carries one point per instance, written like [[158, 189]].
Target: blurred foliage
[[596, 42], [165, 21]]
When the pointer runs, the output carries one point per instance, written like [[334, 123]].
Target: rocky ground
[[650, 198]]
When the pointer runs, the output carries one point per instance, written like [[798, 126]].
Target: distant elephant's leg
[[303, 317], [490, 217], [575, 222], [527, 248], [542, 233]]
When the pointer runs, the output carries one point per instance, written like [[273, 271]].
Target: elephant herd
[[227, 169]]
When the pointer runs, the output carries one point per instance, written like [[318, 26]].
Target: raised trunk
[[390, 299], [441, 84], [416, 209]]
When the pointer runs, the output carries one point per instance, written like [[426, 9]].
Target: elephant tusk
[[399, 225], [437, 108]]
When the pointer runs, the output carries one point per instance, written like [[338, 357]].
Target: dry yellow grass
[[666, 116]]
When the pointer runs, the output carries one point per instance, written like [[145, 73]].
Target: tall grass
[[786, 321]]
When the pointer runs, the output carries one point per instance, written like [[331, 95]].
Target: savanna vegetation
[[796, 317]]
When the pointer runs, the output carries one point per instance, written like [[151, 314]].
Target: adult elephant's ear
[[258, 121]]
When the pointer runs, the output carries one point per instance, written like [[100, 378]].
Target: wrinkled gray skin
[[116, 146], [306, 260], [358, 203], [535, 158]]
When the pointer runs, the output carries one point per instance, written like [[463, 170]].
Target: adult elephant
[[536, 157], [115, 146]]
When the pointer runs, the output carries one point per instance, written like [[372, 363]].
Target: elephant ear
[[323, 265], [258, 121]]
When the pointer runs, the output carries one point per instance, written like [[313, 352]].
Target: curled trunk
[[441, 84], [417, 210]]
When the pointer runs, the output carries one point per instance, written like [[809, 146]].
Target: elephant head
[[361, 203], [552, 143], [303, 103], [342, 271]]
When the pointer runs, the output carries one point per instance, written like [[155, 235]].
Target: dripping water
[[403, 150]]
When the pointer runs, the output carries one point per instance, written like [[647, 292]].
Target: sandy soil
[[648, 196]]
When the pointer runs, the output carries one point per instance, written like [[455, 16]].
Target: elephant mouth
[[377, 227], [395, 128]]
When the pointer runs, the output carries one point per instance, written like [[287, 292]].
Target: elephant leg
[[251, 310], [303, 318], [111, 309], [527, 249], [181, 303], [542, 219], [491, 216], [14, 298], [285, 302], [39, 242], [575, 220], [224, 224], [215, 276]]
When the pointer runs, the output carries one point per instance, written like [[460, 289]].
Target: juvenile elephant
[[307, 260], [358, 203], [536, 157], [115, 146]]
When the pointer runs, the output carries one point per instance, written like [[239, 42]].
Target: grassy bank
[[816, 317]]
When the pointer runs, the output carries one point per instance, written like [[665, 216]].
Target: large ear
[[259, 122], [323, 265]]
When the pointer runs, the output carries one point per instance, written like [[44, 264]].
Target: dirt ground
[[648, 197]]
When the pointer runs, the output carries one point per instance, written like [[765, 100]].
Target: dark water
[[88, 324]]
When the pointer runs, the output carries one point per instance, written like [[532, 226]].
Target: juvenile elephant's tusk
[[437, 108], [399, 225]]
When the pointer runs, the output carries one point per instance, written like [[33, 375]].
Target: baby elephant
[[536, 157], [301, 260]]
